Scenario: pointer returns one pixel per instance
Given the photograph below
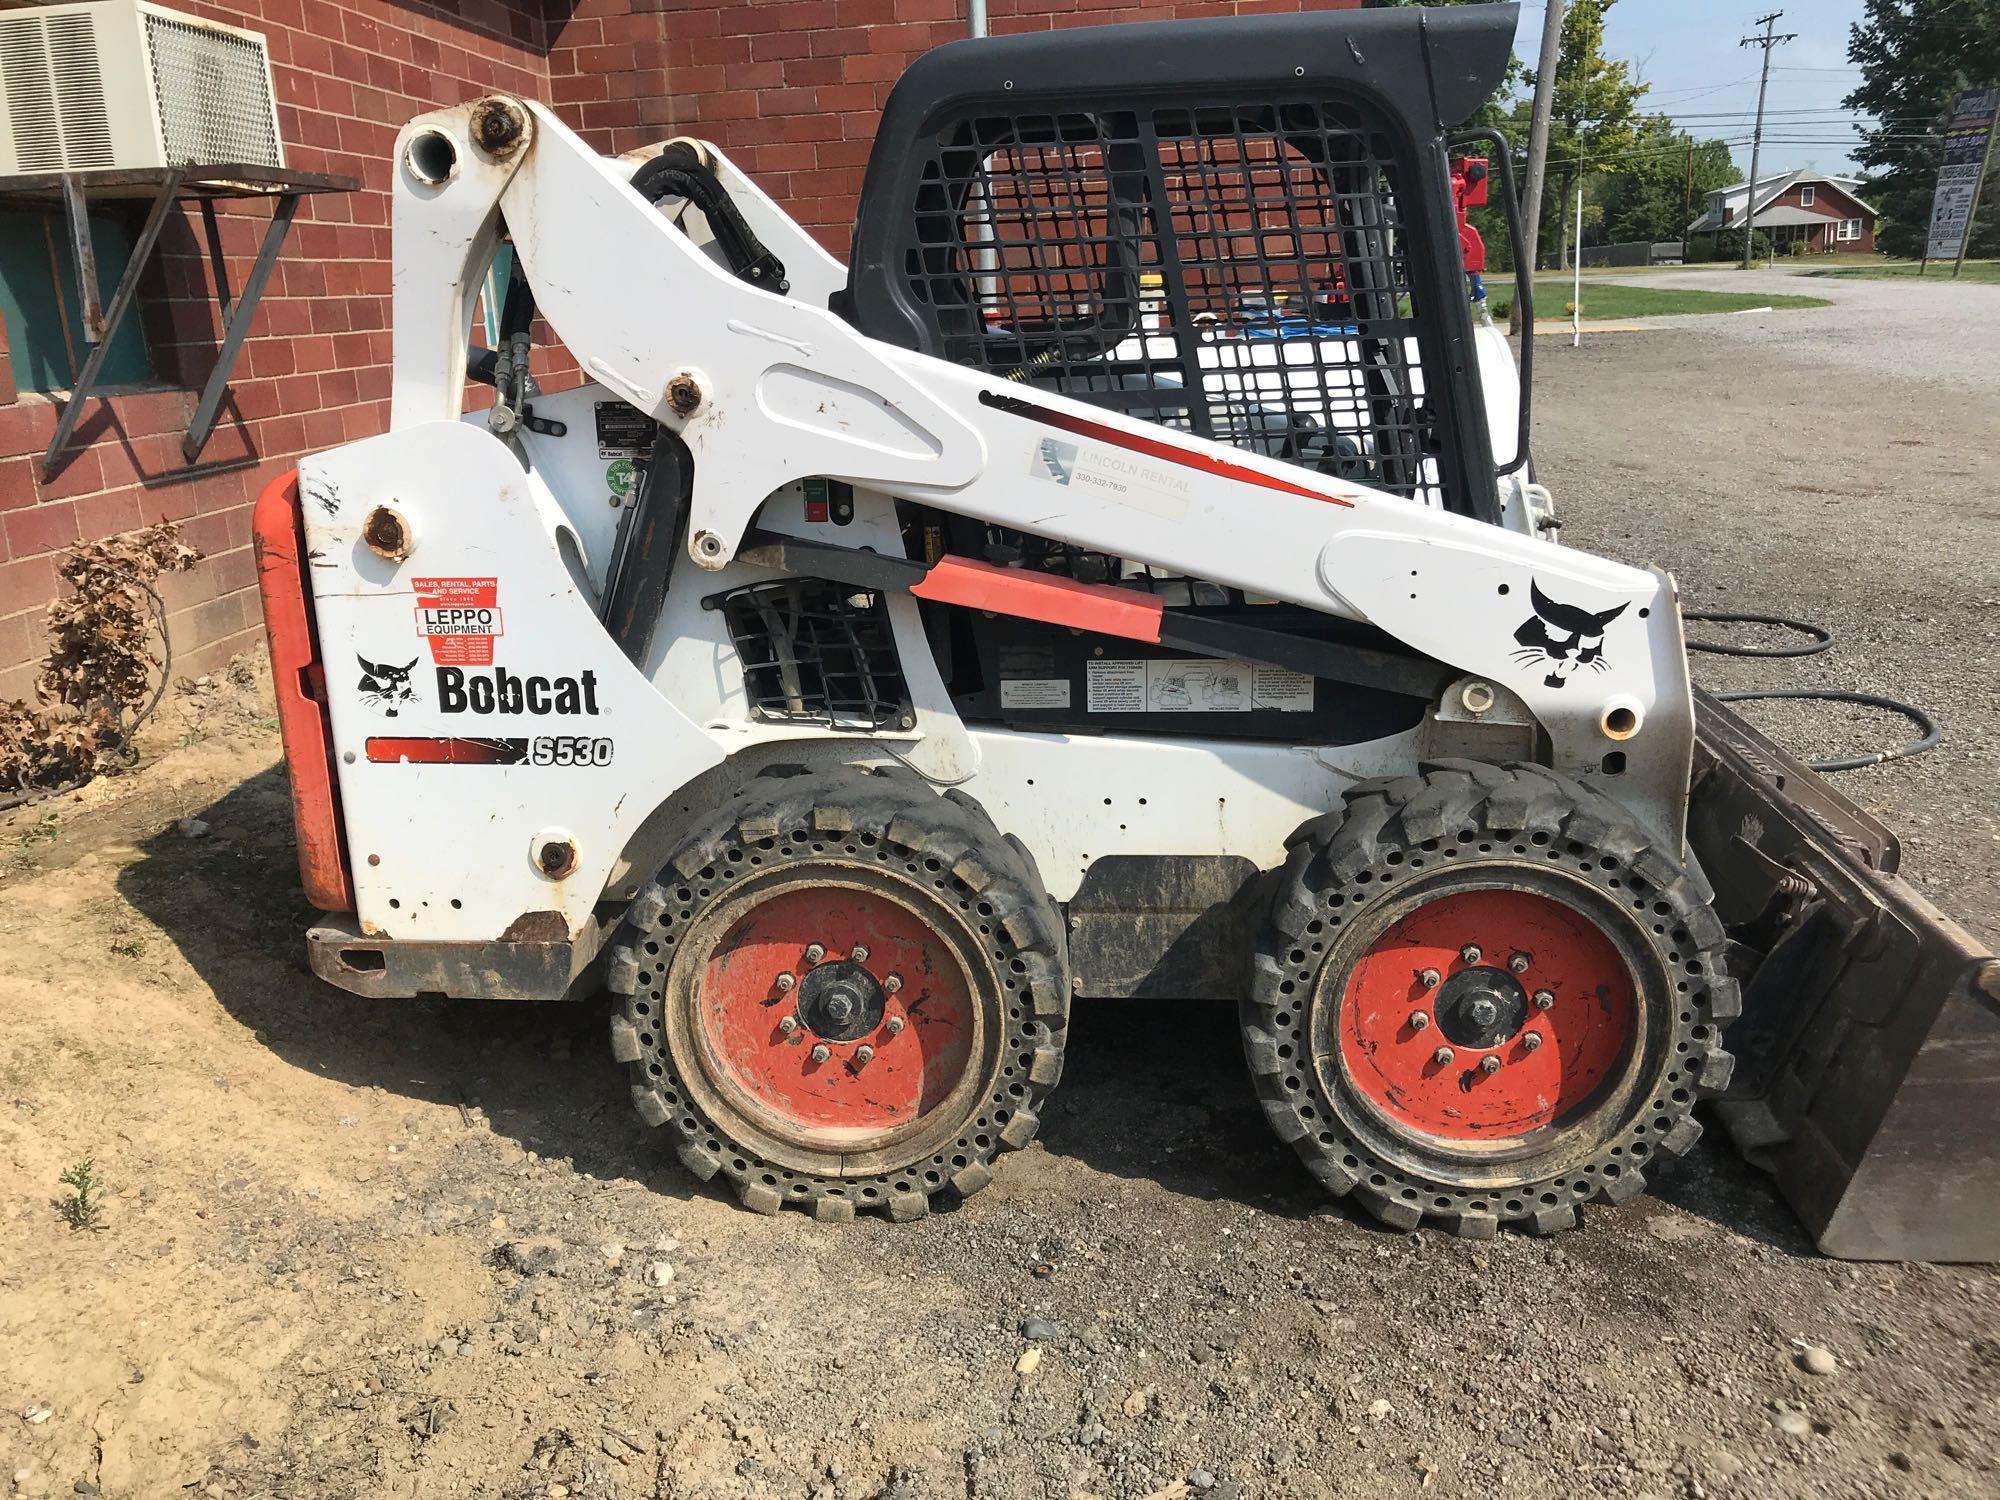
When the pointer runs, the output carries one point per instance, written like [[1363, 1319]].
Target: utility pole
[[1687, 199], [1538, 144], [1767, 41]]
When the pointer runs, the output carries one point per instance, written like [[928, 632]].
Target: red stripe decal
[[1099, 607], [1205, 463], [444, 750]]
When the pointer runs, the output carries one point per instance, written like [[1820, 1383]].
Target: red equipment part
[[1430, 1075], [907, 1001], [1468, 190], [278, 532]]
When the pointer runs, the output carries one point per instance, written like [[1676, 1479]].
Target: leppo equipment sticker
[[459, 617]]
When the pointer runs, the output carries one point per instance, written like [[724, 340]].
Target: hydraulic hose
[[1818, 637], [1930, 731]]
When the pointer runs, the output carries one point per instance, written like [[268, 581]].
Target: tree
[[1648, 195], [1913, 56], [1497, 113], [1595, 116]]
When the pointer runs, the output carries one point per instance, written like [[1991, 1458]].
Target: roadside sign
[[1967, 135]]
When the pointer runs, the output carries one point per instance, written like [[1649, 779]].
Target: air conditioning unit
[[116, 83]]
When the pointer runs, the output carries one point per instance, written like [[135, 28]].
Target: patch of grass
[[41, 832], [83, 1208], [1906, 270], [1603, 299], [129, 947]]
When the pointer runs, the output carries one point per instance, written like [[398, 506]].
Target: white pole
[[975, 17], [1576, 293]]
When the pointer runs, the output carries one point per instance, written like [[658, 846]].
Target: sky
[[1687, 50]]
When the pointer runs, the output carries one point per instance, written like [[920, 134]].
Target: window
[[1806, 196], [38, 299], [1850, 229]]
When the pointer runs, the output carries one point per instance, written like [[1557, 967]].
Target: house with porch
[[1820, 212]]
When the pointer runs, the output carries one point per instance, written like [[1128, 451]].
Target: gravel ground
[[1903, 330], [1775, 464], [360, 1249]]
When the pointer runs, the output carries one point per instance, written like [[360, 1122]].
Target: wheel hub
[[1481, 1008], [841, 1001], [1447, 1045], [831, 1012]]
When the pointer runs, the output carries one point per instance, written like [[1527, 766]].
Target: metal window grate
[[213, 91], [1236, 272], [816, 652]]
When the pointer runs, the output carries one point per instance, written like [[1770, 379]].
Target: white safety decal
[[1194, 687]]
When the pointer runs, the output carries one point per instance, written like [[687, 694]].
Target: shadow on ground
[[1153, 1091]]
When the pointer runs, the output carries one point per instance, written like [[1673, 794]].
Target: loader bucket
[[1868, 1054]]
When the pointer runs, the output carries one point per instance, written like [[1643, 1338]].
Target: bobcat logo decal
[[1564, 636], [382, 687]]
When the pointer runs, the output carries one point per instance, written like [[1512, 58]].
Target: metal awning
[[165, 186]]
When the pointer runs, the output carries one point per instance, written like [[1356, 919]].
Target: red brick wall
[[791, 89], [315, 371]]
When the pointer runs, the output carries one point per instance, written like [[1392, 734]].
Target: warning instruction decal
[[1195, 687]]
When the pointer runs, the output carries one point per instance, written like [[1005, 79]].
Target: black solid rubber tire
[[947, 843], [1393, 831]]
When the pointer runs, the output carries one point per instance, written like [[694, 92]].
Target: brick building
[[1803, 211], [790, 88]]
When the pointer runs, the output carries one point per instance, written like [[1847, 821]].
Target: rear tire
[[842, 992], [1483, 996]]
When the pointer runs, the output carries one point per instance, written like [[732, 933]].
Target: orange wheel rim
[[836, 1016], [1487, 1016]]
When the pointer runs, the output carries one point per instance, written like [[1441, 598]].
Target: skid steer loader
[[1126, 579]]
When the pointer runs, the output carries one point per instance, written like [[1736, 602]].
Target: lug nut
[[860, 954], [864, 1053], [1430, 979], [785, 982], [1442, 1056], [1419, 1019], [1470, 953], [814, 953], [1544, 1000], [1532, 1042], [1518, 963], [1489, 1064], [822, 1052], [892, 984], [789, 1025], [895, 1025]]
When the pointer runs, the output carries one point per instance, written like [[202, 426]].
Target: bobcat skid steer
[[1125, 580]]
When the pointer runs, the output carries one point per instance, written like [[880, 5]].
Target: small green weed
[[84, 1207]]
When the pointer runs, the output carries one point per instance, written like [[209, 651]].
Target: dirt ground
[[400, 1249]]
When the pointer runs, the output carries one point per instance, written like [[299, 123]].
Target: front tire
[[1485, 995], [843, 992]]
